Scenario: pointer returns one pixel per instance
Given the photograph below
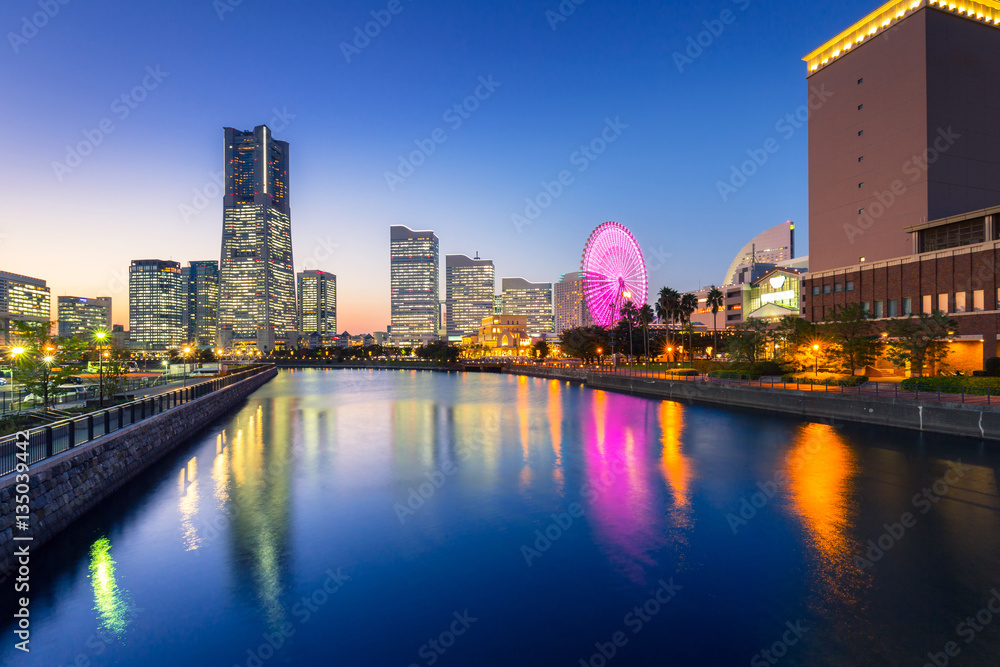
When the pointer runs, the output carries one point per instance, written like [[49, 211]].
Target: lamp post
[[187, 351], [100, 336], [599, 352], [816, 360], [15, 353]]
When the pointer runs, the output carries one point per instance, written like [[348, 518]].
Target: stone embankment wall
[[67, 486]]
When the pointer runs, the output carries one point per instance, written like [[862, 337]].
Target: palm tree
[[666, 308], [645, 317], [629, 314], [687, 306], [716, 299]]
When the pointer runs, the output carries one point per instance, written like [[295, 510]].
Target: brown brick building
[[904, 166]]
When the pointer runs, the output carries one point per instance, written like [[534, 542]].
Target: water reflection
[[187, 504], [676, 467], [113, 605], [555, 417]]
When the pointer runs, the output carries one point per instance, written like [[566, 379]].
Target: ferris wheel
[[614, 272]]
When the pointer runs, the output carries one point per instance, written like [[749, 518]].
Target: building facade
[[201, 302], [156, 305], [414, 273], [256, 278], [570, 306], [79, 316], [470, 285], [22, 299], [772, 247], [904, 163], [318, 306], [500, 336], [533, 301]]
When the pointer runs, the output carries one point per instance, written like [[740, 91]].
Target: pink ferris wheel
[[614, 272]]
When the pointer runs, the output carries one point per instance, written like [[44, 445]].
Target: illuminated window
[[978, 300], [925, 305], [943, 303], [959, 302]]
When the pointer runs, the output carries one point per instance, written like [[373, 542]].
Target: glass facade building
[[415, 284], [570, 305], [533, 300], [256, 278], [156, 305], [318, 306], [82, 317], [470, 285], [22, 299], [201, 302]]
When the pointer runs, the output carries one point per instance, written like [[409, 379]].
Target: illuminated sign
[[778, 282], [774, 297]]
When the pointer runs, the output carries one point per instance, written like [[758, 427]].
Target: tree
[[584, 342], [666, 308], [796, 337], [45, 362], [645, 319], [855, 340], [716, 299], [541, 349], [630, 315], [688, 304], [919, 341], [748, 341]]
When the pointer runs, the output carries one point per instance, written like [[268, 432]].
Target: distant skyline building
[[570, 307], [317, 292], [156, 305], [415, 285], [470, 285], [79, 316], [201, 307], [256, 275], [772, 247], [22, 299], [532, 300]]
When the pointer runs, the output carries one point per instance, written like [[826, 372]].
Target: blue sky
[[186, 69]]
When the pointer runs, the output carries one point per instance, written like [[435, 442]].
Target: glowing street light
[[100, 336], [816, 360]]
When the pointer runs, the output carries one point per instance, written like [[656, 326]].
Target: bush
[[992, 367], [764, 368], [686, 372], [954, 385]]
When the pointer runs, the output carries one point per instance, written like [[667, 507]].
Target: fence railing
[[51, 439], [17, 399], [926, 392]]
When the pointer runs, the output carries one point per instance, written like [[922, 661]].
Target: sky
[[114, 114]]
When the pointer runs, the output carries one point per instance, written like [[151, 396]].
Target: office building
[[772, 247], [533, 301], [79, 316], [415, 285], [470, 284], [904, 163], [500, 336], [257, 281], [570, 305], [318, 307], [156, 305], [201, 302], [22, 299]]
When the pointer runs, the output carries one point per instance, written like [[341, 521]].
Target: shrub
[[686, 372], [992, 367], [953, 385], [764, 368]]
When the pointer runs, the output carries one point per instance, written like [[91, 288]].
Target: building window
[[861, 211], [959, 302], [838, 287], [815, 290], [861, 133], [850, 285], [861, 81], [925, 306], [827, 289], [860, 107], [878, 310], [893, 308], [943, 303], [967, 232], [861, 185], [978, 300], [866, 306], [861, 159], [907, 307]]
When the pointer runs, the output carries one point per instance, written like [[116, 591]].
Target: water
[[399, 518]]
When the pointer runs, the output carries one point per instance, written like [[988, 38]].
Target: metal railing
[[51, 439], [14, 399], [926, 392]]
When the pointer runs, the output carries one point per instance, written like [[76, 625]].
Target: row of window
[[958, 302], [835, 287]]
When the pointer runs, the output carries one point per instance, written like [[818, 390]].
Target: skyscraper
[[470, 284], [415, 285], [570, 305], [533, 300], [318, 306], [201, 307], [81, 317], [156, 305], [257, 281], [22, 299]]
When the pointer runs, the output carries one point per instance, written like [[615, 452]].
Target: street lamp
[[816, 360], [100, 336], [187, 351], [15, 353]]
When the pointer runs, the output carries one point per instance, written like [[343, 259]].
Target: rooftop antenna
[[477, 254]]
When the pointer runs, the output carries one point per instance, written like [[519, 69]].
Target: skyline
[[542, 93]]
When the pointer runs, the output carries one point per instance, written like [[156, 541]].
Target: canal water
[[413, 518]]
